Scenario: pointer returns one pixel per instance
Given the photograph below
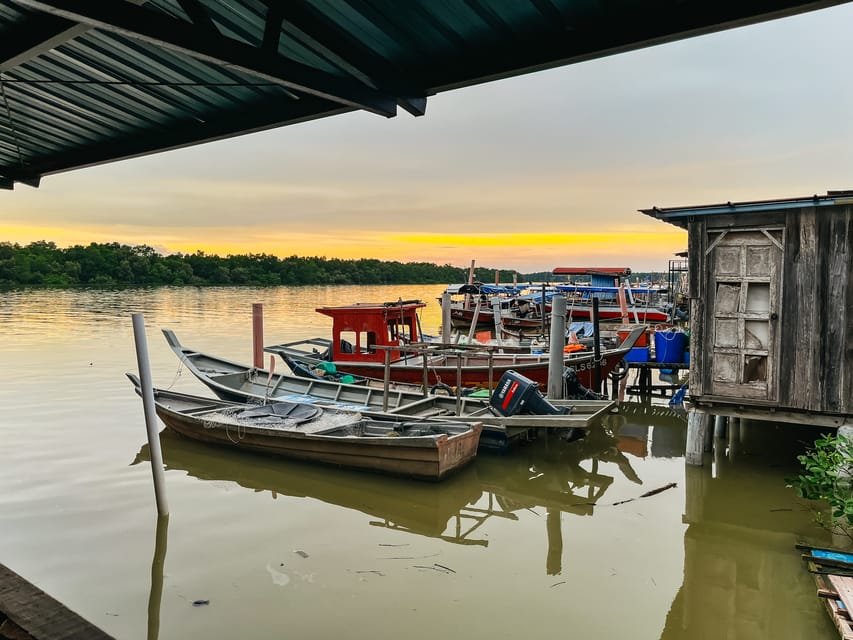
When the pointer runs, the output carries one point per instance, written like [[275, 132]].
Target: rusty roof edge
[[678, 215]]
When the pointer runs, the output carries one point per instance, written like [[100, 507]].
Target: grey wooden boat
[[422, 449], [240, 382]]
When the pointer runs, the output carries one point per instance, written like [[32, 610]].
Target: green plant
[[827, 476]]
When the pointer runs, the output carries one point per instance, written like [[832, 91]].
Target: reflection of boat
[[406, 505], [233, 381], [426, 449], [378, 341], [549, 475]]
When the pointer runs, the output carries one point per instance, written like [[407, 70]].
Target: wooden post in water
[[475, 319], [596, 350], [556, 351], [720, 427], [467, 304], [147, 388], [425, 355], [458, 383], [697, 427], [496, 314], [445, 318], [734, 439], [258, 335], [386, 381]]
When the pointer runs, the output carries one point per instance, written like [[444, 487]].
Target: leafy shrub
[[827, 467]]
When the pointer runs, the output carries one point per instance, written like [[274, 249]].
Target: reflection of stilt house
[[771, 294]]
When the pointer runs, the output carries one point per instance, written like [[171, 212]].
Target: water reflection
[[157, 568], [739, 543], [548, 474]]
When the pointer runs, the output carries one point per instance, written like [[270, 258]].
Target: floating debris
[[653, 492], [200, 603], [300, 553]]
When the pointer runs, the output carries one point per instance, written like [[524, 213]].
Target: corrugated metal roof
[[681, 216], [86, 82]]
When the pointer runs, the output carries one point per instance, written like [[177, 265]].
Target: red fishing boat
[[379, 339]]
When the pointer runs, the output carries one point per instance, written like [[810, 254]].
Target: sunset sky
[[528, 173]]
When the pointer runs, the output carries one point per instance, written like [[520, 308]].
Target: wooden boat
[[832, 571], [415, 507], [379, 340], [240, 382], [423, 449], [644, 304], [471, 304]]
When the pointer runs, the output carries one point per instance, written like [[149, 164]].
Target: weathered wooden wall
[[816, 308]]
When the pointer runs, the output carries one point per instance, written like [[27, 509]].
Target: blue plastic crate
[[637, 354]]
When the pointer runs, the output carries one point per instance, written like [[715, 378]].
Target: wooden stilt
[[720, 427], [697, 427]]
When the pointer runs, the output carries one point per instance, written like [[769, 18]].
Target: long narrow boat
[[240, 382], [644, 306], [423, 449], [376, 340]]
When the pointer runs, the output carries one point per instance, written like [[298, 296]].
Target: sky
[[528, 173]]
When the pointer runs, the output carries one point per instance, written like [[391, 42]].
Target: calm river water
[[524, 545]]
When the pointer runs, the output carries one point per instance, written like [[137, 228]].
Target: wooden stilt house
[[771, 307]]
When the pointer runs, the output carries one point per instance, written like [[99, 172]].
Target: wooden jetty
[[28, 613], [833, 575]]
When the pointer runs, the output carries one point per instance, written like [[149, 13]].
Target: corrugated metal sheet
[[88, 82]]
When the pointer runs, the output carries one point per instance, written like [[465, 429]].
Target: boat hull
[[424, 458], [479, 375]]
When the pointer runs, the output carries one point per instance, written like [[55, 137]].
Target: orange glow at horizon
[[523, 251]]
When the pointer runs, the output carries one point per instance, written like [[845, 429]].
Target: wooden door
[[745, 269]]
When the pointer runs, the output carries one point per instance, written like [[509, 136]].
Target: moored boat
[[423, 449], [240, 382], [379, 340]]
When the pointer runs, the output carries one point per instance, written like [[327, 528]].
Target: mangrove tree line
[[112, 264]]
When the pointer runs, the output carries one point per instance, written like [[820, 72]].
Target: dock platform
[[28, 613]]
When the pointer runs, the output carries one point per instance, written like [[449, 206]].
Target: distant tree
[[112, 264]]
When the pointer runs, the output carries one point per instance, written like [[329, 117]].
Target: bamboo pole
[[258, 335], [596, 350]]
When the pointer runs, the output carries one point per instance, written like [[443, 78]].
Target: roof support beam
[[34, 37], [198, 15], [313, 28], [266, 115], [163, 31]]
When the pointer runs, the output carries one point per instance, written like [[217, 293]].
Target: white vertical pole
[[445, 318], [556, 360], [150, 413], [475, 319], [496, 313]]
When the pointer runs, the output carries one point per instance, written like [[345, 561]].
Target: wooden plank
[[829, 562], [39, 614], [844, 586]]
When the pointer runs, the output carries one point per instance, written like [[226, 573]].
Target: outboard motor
[[574, 389], [516, 394]]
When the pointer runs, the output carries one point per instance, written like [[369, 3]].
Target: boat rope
[[178, 374]]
